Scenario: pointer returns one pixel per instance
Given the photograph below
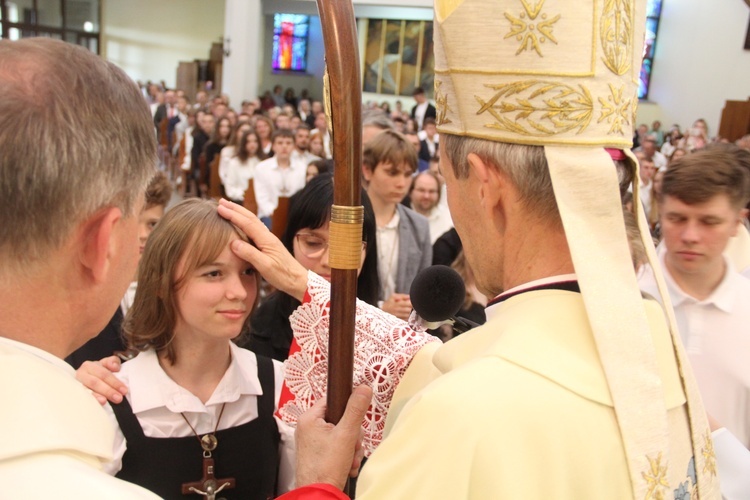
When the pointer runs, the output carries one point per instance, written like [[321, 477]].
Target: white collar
[[723, 297], [393, 223], [41, 354], [150, 386], [435, 212], [279, 167]]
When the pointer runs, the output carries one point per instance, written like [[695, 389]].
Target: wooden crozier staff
[[344, 110]]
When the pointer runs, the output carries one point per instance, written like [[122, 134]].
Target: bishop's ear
[[492, 183]]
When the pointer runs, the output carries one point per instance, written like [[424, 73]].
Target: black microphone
[[437, 294]]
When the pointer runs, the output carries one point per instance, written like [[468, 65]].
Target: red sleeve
[[319, 491], [286, 395]]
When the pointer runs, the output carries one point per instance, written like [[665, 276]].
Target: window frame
[[64, 33]]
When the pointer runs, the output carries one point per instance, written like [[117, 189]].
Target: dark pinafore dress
[[249, 453]]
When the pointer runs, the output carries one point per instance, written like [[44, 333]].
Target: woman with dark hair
[[306, 237], [242, 166], [264, 127], [230, 150], [318, 167], [220, 138]]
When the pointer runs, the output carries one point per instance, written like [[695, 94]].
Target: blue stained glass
[[653, 12], [643, 81], [290, 41], [299, 50], [653, 8], [651, 26], [300, 30]]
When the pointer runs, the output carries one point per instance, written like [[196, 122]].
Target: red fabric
[[616, 154], [286, 394], [318, 491]]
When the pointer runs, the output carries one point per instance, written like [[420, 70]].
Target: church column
[[243, 29]]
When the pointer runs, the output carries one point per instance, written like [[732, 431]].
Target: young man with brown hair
[[403, 236], [702, 203], [277, 176]]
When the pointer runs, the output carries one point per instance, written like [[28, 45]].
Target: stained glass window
[[290, 41], [653, 12]]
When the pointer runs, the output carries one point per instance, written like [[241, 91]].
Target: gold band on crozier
[[345, 241]]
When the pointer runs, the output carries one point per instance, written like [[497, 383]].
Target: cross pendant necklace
[[209, 485]]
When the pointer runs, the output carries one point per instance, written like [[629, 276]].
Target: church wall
[[148, 38], [699, 62]]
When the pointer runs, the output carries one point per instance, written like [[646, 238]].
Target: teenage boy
[[277, 176], [403, 236], [702, 203]]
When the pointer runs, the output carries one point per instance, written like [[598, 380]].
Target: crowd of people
[[218, 347], [269, 148], [406, 213]]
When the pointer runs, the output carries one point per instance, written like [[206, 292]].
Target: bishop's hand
[[267, 254]]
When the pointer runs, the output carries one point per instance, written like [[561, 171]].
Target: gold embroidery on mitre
[[656, 479], [616, 34], [441, 103], [559, 109], [616, 110], [525, 30], [709, 456]]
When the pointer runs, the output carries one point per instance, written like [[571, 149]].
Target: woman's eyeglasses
[[313, 246]]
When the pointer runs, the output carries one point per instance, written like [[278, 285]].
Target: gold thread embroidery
[[563, 108], [616, 35], [441, 103], [525, 31], [709, 456], [656, 479], [615, 110]]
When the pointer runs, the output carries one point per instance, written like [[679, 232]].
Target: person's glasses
[[313, 246]]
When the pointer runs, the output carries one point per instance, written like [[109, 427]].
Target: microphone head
[[437, 293]]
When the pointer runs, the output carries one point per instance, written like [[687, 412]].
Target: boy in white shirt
[[702, 202], [277, 176]]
